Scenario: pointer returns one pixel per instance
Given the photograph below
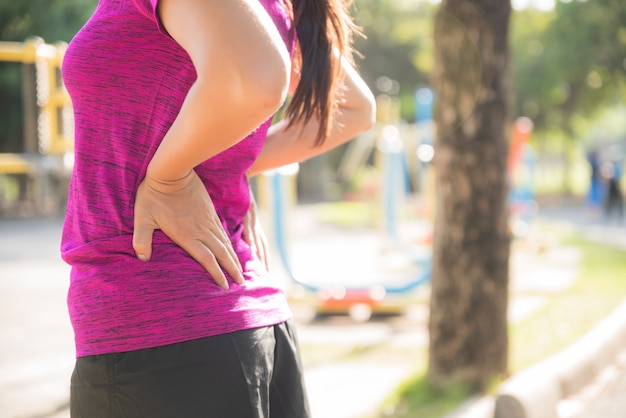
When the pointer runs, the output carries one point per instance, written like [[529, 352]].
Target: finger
[[257, 248], [227, 258], [214, 255], [142, 240], [250, 237], [207, 259], [260, 254], [266, 254], [223, 239]]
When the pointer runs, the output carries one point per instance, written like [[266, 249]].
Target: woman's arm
[[356, 113], [243, 71], [243, 74]]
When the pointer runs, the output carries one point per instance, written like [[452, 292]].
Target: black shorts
[[254, 373]]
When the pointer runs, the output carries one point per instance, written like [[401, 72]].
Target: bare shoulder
[[240, 31]]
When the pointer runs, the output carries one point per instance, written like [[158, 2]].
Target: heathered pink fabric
[[127, 79]]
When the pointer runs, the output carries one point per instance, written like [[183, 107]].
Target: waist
[[129, 305], [116, 252]]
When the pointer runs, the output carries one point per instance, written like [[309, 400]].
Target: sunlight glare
[[542, 5]]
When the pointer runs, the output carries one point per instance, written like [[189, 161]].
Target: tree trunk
[[468, 313]]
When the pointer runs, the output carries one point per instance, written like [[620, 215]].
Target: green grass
[[9, 188], [598, 289], [417, 398], [349, 214], [566, 316]]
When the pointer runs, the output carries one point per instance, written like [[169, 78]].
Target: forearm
[[296, 144], [354, 115], [210, 121]]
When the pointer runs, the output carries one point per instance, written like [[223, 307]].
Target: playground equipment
[[424, 100], [521, 170], [35, 180], [354, 272], [337, 271]]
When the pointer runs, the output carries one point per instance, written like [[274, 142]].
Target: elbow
[[270, 92], [371, 114], [368, 113], [266, 86], [358, 116], [255, 90]]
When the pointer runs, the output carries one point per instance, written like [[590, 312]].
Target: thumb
[[142, 241]]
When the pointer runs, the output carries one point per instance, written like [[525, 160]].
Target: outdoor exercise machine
[[384, 291]]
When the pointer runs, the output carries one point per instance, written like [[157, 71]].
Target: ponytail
[[325, 36]]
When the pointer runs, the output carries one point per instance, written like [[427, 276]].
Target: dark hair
[[324, 31]]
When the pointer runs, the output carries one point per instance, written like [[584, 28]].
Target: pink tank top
[[128, 79]]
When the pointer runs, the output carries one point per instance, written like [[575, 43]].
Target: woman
[[173, 314]]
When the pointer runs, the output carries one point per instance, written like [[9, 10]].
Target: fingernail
[[224, 285], [142, 257]]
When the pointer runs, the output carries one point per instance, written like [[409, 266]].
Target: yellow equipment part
[[14, 164]]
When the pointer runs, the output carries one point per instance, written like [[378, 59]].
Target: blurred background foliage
[[52, 20], [569, 66], [568, 63]]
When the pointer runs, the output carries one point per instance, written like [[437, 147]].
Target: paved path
[[611, 401], [36, 350], [605, 397], [596, 228]]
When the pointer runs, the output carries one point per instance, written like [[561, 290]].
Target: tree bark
[[468, 312]]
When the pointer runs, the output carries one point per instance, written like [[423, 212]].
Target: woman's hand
[[183, 210], [254, 235]]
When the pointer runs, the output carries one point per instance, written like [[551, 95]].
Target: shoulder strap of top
[[148, 8]]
